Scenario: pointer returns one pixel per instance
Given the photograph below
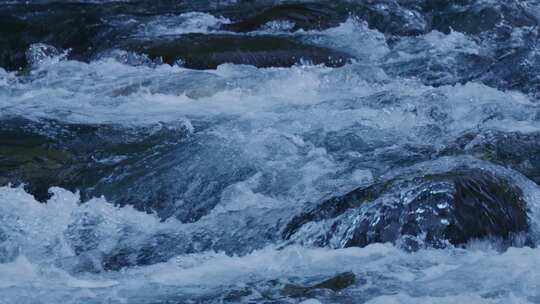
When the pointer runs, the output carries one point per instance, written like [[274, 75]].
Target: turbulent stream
[[360, 151]]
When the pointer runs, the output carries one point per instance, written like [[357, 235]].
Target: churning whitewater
[[349, 151]]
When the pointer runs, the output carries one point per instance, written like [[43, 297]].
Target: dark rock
[[517, 64], [295, 291], [485, 205], [31, 158], [336, 283], [519, 151], [83, 28], [339, 282], [306, 16], [280, 290], [335, 207], [235, 296], [198, 51], [43, 154], [388, 16], [87, 29], [430, 210], [79, 30], [154, 168], [475, 17], [13, 42]]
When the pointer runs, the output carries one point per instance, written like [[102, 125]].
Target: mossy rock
[[43, 154]]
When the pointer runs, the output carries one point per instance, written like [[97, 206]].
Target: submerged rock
[[154, 168], [284, 291], [13, 42], [335, 284], [77, 28], [306, 16], [82, 28], [339, 282], [430, 210], [43, 154], [517, 62], [519, 151], [388, 17], [199, 51], [475, 17]]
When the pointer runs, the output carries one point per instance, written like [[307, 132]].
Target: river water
[[133, 179]]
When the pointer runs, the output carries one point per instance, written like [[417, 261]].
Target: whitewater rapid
[[478, 274], [255, 146]]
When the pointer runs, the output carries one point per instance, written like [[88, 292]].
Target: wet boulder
[[336, 283], [30, 157], [517, 63], [278, 289], [14, 40], [78, 29], [155, 168], [46, 153], [388, 16], [306, 16], [434, 210], [82, 28], [516, 150], [199, 51], [475, 17]]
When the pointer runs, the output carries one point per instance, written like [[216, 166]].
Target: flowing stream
[[202, 151]]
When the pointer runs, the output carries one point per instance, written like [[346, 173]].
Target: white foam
[[280, 121], [192, 22], [405, 299], [446, 276], [48, 233]]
